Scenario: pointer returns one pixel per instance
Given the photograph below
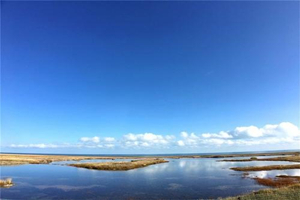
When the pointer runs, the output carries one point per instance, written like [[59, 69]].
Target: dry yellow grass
[[120, 166], [6, 183], [20, 159]]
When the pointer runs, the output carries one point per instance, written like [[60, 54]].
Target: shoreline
[[287, 152]]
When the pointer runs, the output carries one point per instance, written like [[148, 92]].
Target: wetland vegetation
[[120, 166], [287, 193], [292, 158], [109, 163], [20, 159], [266, 168]]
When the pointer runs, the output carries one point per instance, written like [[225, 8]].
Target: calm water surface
[[178, 179]]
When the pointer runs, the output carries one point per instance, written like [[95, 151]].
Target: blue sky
[[149, 77]]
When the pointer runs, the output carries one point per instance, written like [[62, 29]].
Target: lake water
[[179, 179]]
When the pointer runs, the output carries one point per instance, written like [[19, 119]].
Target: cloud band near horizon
[[284, 132]]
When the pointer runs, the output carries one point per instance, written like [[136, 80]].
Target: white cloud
[[251, 131], [41, 146], [146, 140], [180, 143], [109, 145], [184, 134], [191, 140], [84, 142], [218, 142], [90, 139], [222, 134], [109, 139], [284, 132], [284, 129], [95, 142]]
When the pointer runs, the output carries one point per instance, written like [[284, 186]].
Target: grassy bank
[[266, 168], [252, 154], [293, 158], [287, 193], [120, 166], [7, 183], [294, 153]]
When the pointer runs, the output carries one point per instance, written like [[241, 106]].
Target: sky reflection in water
[[180, 178]]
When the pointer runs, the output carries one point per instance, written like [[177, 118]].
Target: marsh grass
[[278, 181], [6, 183], [266, 168], [284, 193], [21, 159], [119, 166], [294, 153], [293, 158], [287, 176]]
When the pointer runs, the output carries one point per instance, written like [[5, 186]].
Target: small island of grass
[[119, 166], [278, 181], [7, 183]]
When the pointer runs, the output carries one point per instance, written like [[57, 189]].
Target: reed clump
[[6, 183]]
